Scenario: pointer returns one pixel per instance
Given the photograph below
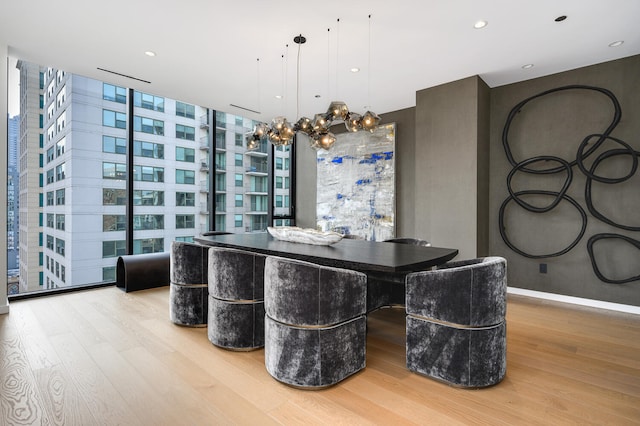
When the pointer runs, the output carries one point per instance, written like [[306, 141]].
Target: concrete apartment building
[[30, 143], [13, 187]]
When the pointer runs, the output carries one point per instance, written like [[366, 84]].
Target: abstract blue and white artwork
[[356, 185]]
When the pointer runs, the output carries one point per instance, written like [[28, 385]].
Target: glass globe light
[[337, 110], [353, 122], [370, 121], [261, 130], [278, 123], [313, 142], [303, 125], [320, 123], [326, 140], [274, 137], [252, 144], [287, 132]]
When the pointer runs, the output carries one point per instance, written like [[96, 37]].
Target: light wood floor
[[107, 357]]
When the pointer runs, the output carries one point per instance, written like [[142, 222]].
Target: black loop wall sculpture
[[596, 270], [566, 166], [518, 108], [591, 175], [587, 192], [558, 196]]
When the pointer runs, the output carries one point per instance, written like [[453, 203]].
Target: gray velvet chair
[[315, 327], [456, 329], [188, 284], [236, 299], [388, 288]]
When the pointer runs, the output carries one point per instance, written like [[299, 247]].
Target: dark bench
[[142, 271]]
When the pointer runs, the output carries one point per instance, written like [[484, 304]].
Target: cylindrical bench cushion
[[468, 357], [143, 271], [236, 326], [469, 293], [188, 263], [306, 294], [314, 357], [236, 274], [188, 304]]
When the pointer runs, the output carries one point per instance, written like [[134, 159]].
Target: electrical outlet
[[543, 268]]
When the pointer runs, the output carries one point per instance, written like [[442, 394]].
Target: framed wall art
[[356, 185]]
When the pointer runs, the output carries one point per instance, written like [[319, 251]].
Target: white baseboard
[[576, 300]]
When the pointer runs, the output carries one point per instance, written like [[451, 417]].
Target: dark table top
[[353, 254]]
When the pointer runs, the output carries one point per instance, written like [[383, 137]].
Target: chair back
[[470, 292]]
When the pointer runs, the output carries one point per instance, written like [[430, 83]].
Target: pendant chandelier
[[280, 131]]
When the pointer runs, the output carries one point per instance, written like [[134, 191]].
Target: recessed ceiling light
[[616, 43], [527, 66], [150, 53], [278, 96], [355, 69], [560, 18], [480, 24]]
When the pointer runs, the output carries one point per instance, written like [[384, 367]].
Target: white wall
[[4, 302]]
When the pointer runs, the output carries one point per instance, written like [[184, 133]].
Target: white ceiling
[[207, 50]]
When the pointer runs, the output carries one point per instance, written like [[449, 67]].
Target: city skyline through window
[[68, 173]]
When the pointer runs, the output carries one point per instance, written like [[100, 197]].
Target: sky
[[14, 88]]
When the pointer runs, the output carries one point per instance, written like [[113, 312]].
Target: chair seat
[[236, 326], [315, 357], [466, 357], [188, 304], [236, 299]]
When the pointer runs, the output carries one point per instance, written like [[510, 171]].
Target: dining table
[[360, 255]]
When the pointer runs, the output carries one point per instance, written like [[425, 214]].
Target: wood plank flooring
[[104, 357]]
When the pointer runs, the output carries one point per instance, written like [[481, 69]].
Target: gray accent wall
[[451, 179], [451, 173], [555, 125], [306, 176]]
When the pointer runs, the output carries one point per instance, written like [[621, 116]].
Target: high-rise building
[[13, 133], [83, 169], [30, 199], [13, 186]]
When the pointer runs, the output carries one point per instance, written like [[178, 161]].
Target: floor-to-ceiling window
[[82, 152], [283, 186]]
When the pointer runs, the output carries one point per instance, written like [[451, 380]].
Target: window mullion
[[129, 177]]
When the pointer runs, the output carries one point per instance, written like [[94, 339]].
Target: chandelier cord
[[282, 89], [298, 83], [281, 132], [286, 80], [337, 89], [369, 69], [328, 62], [258, 80]]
